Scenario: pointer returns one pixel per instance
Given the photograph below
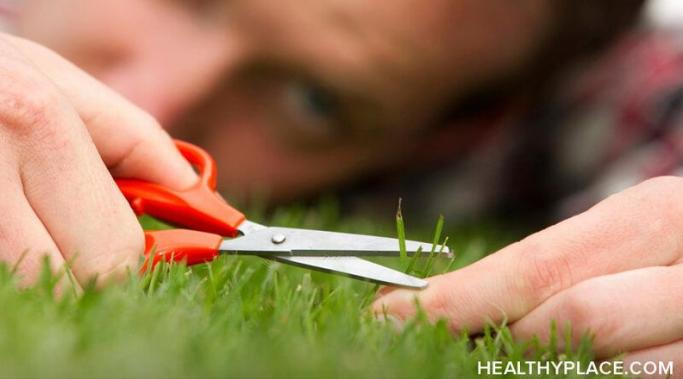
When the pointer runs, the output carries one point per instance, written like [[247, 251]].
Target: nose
[[167, 72]]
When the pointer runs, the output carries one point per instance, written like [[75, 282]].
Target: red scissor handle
[[199, 208], [181, 245]]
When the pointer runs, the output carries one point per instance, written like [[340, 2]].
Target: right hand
[[62, 137]]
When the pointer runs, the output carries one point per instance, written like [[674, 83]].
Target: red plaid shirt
[[613, 123]]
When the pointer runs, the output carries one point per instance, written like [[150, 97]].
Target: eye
[[313, 100], [314, 112]]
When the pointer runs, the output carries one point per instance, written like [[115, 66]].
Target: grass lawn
[[243, 318]]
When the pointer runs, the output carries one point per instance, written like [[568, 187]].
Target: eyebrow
[[207, 8]]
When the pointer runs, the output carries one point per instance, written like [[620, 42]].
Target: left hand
[[615, 271]]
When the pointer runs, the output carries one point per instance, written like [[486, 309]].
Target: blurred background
[[521, 112]]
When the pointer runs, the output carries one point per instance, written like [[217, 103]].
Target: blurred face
[[292, 96]]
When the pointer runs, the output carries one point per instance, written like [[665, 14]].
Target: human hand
[[63, 135], [615, 271]]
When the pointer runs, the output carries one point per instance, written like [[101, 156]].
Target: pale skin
[[281, 92], [63, 136], [613, 271]]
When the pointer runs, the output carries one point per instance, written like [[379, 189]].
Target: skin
[[612, 272], [63, 136], [280, 92]]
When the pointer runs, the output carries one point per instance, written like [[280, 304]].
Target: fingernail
[[395, 323], [398, 296], [383, 291], [398, 302]]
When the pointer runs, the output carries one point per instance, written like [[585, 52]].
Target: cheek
[[254, 159], [253, 163]]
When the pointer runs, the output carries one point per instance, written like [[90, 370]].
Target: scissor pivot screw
[[278, 238]]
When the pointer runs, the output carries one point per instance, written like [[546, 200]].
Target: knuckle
[[148, 121], [151, 133], [149, 128], [157, 136], [574, 309], [544, 274], [582, 312], [143, 139], [30, 107]]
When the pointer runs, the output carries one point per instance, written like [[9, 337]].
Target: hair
[[579, 30], [583, 28]]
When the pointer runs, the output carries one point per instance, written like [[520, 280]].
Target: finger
[[73, 194], [64, 178], [384, 290], [672, 352], [130, 141], [639, 227], [24, 241], [621, 312]]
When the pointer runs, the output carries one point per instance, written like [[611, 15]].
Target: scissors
[[214, 227]]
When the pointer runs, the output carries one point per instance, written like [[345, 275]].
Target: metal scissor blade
[[356, 268], [305, 242]]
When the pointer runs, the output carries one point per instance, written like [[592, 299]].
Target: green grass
[[244, 318]]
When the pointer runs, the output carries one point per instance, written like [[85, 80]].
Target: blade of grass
[[437, 233], [431, 258], [242, 317], [401, 231]]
